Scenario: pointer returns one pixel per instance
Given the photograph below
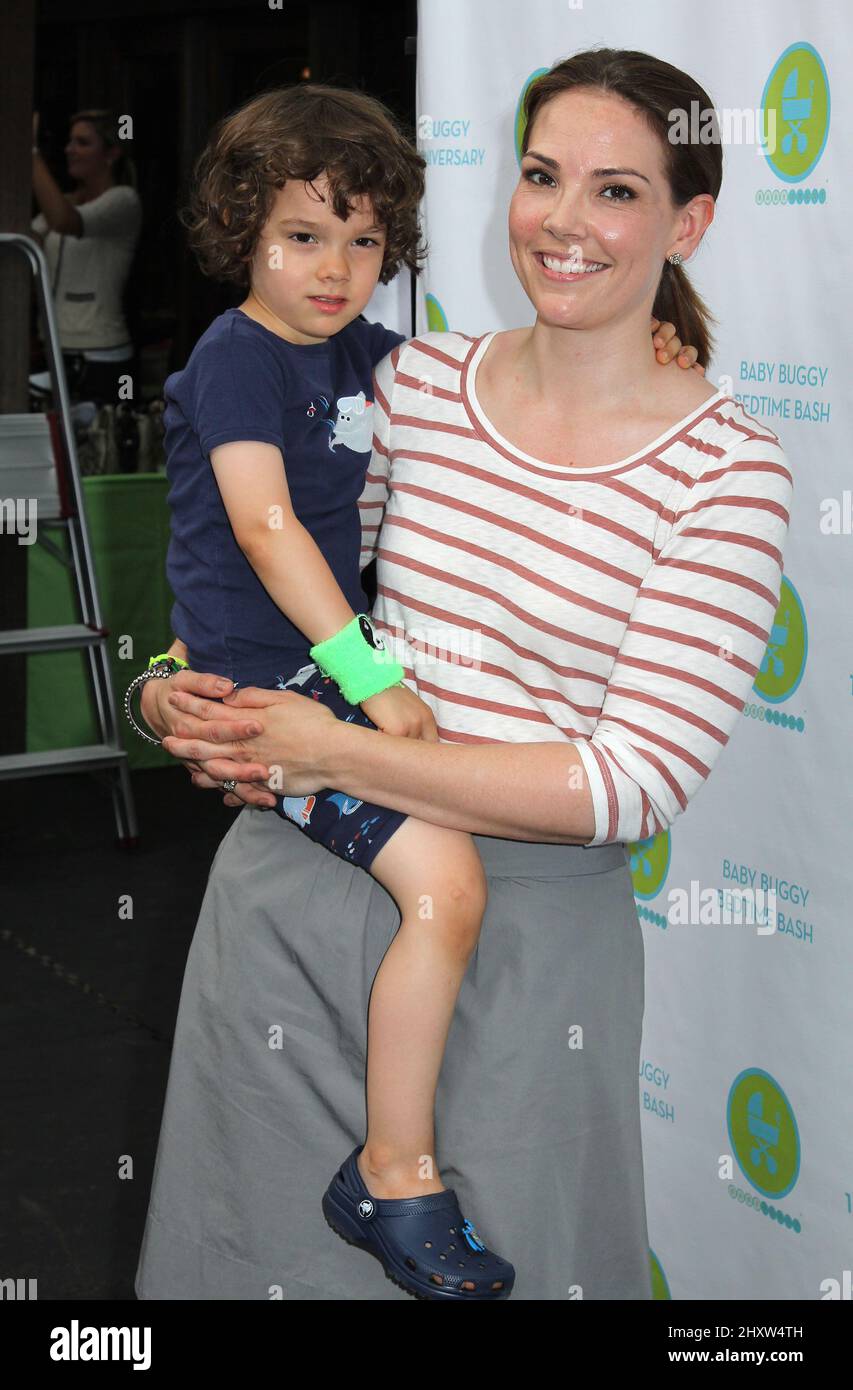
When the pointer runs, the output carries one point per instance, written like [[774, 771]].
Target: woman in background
[[89, 236]]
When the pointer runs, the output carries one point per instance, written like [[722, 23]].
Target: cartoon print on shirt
[[353, 425], [302, 675], [312, 411]]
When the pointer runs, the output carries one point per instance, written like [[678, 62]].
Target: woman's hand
[[158, 714], [291, 750], [165, 719], [667, 342]]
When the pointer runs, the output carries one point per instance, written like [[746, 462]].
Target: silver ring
[[230, 785]]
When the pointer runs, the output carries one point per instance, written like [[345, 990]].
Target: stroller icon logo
[[649, 864], [784, 660], [520, 123], [796, 97], [763, 1132], [436, 317], [660, 1286]]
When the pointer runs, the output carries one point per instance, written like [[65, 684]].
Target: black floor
[[88, 999]]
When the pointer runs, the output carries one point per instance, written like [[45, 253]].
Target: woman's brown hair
[[299, 133], [105, 124], [656, 89]]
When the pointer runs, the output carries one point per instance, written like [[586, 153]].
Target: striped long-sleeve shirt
[[623, 608]]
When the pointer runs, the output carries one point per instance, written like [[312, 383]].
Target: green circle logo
[[795, 105], [436, 317], [649, 861], [784, 660], [763, 1132], [520, 122]]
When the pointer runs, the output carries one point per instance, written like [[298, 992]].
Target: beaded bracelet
[[160, 667]]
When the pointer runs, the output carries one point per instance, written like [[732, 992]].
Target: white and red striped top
[[624, 608]]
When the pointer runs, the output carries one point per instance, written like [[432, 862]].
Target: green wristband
[[173, 662], [357, 660]]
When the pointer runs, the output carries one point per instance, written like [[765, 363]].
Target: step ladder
[[39, 471]]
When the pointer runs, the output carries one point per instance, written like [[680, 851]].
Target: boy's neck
[[255, 308]]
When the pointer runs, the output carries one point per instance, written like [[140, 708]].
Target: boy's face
[[315, 272]]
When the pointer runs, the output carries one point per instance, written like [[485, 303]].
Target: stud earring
[[676, 258]]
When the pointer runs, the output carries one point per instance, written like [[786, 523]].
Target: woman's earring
[[676, 258]]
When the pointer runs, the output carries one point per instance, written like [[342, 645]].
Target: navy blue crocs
[[424, 1244]]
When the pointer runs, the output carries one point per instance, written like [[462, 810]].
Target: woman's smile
[[567, 269]]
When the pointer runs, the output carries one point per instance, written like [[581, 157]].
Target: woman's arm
[[60, 214], [686, 663], [520, 791], [374, 497]]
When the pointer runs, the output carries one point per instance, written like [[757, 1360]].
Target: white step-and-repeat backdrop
[[746, 1074]]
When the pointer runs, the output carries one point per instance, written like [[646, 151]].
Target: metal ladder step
[[49, 639], [54, 760], [39, 467]]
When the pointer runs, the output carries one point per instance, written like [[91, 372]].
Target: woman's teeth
[[572, 267]]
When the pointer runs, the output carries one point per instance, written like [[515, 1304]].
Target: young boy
[[307, 197]]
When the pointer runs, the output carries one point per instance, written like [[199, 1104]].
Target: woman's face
[[592, 191], [85, 152]]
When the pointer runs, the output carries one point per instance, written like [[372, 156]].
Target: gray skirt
[[537, 1112]]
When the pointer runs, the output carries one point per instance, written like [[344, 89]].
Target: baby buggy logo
[[763, 1133], [796, 96], [436, 317], [784, 660], [520, 122], [660, 1287], [649, 862]]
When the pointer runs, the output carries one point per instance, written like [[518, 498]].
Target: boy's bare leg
[[437, 881]]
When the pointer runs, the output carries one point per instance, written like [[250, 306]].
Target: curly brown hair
[[301, 132]]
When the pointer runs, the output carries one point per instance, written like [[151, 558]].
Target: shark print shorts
[[355, 830]]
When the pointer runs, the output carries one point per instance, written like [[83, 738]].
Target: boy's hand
[[667, 342], [398, 710]]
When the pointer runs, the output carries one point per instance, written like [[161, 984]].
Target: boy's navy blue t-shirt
[[316, 403]]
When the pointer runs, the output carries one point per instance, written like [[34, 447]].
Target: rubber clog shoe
[[424, 1244]]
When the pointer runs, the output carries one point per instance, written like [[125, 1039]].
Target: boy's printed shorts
[[355, 830]]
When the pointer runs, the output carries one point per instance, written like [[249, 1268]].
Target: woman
[[611, 537], [89, 236]]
